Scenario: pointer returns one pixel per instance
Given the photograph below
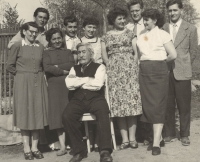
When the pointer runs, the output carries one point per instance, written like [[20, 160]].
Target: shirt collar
[[140, 22], [178, 23], [26, 44], [68, 37]]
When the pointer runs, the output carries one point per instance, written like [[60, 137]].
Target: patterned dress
[[122, 71]]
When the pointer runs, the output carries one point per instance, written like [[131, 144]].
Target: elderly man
[[85, 82], [41, 17]]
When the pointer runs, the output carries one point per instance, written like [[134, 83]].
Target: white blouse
[[151, 44]]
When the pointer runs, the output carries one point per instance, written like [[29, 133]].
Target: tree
[[11, 16]]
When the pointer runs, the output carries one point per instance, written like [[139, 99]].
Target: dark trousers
[[74, 111], [180, 94]]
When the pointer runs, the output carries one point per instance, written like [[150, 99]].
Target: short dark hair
[[112, 15], [40, 9], [134, 2], [26, 27], [154, 14], [172, 2], [90, 21], [70, 19], [50, 33]]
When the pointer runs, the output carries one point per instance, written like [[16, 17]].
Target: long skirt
[[154, 83]]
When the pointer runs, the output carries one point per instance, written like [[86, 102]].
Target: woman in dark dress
[[30, 91], [57, 62]]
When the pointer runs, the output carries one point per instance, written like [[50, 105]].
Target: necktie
[[135, 29], [174, 31]]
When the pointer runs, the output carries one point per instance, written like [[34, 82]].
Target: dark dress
[[30, 91], [57, 90]]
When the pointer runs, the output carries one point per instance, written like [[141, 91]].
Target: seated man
[[85, 81]]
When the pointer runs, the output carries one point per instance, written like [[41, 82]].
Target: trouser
[[180, 94], [74, 111]]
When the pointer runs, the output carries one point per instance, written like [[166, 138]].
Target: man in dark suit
[[85, 81], [184, 36]]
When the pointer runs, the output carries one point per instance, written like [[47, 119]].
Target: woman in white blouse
[[156, 49]]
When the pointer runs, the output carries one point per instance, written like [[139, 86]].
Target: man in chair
[[85, 82]]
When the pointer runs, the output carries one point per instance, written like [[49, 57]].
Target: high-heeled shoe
[[37, 154], [133, 144], [28, 155], [124, 145]]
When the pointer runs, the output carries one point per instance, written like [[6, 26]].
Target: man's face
[[71, 29], [136, 12], [41, 19], [84, 56], [174, 13], [30, 34]]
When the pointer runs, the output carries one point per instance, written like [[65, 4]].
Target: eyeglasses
[[33, 32]]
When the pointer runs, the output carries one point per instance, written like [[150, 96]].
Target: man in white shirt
[[85, 82], [71, 39], [136, 8]]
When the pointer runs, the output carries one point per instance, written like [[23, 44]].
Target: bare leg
[[123, 128], [61, 137], [26, 140], [35, 138], [132, 124], [157, 134]]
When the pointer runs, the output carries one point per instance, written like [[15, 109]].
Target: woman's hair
[[70, 19], [88, 46], [154, 14], [26, 27], [50, 33], [90, 21], [40, 9], [112, 15]]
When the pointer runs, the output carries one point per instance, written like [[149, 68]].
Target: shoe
[[156, 151], [185, 141], [37, 154], [148, 141], [61, 152], [162, 144], [78, 157], [28, 156], [169, 139], [105, 157], [133, 144], [124, 145]]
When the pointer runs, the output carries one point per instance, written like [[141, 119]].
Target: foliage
[[11, 16]]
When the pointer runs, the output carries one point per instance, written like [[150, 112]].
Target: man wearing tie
[[184, 36]]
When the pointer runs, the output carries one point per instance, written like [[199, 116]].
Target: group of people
[[148, 68]]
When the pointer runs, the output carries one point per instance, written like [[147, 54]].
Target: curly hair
[[90, 21], [114, 13], [154, 14], [26, 27], [70, 19], [50, 33], [40, 9]]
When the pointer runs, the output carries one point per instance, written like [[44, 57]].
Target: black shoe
[[37, 154], [133, 144], [149, 148], [156, 151], [28, 156], [78, 157], [105, 157]]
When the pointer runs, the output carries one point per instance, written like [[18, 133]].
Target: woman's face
[[149, 23], [30, 34], [56, 40], [90, 30], [120, 22]]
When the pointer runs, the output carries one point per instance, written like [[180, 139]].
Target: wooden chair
[[89, 117]]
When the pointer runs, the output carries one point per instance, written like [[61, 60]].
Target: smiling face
[[149, 23], [56, 40], [174, 13], [84, 55], [90, 30], [120, 22], [71, 29], [41, 19], [136, 12], [30, 34]]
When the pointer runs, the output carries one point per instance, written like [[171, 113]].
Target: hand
[[56, 66], [71, 76], [65, 72]]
